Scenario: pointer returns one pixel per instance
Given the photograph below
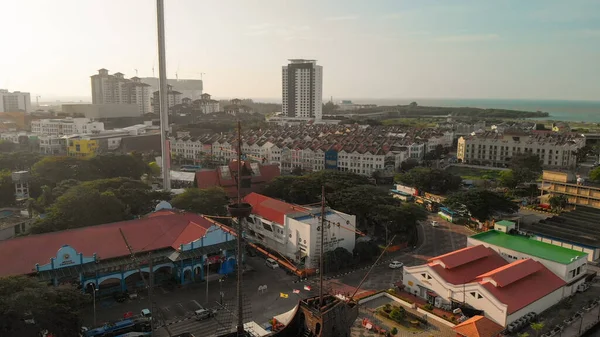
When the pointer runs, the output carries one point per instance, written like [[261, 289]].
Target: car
[[434, 223], [202, 314], [396, 264], [271, 263]]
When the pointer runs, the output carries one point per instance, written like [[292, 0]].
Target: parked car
[[271, 263], [396, 264]]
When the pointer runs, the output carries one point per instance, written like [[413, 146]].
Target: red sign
[[214, 259]]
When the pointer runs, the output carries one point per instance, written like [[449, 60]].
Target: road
[[436, 241], [177, 307]]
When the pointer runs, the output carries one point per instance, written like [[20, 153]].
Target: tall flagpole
[[164, 106]]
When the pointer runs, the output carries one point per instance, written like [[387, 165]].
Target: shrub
[[428, 307], [398, 315], [387, 308], [394, 331]]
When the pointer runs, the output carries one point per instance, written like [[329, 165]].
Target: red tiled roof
[[478, 326], [463, 267], [162, 229], [462, 256], [520, 283], [212, 178], [271, 209]]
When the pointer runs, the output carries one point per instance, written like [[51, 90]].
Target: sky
[[513, 49]]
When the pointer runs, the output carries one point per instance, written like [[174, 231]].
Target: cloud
[[469, 38], [342, 18], [257, 32]]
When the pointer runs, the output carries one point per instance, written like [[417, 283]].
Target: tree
[[481, 204], [507, 179], [81, 206], [558, 201], [400, 220], [537, 327], [211, 201], [366, 251], [398, 314], [430, 180], [7, 189], [16, 161], [408, 165], [337, 259], [56, 309], [297, 171], [359, 200], [526, 167], [595, 174], [52, 170], [119, 165]]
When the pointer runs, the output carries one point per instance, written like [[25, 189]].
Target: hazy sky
[[548, 49]]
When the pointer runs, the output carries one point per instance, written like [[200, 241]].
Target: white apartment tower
[[302, 82], [116, 89], [14, 101]]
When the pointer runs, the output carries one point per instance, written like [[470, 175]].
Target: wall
[[538, 306], [593, 253], [559, 269], [494, 309]]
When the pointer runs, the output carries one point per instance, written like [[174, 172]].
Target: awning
[[286, 317], [432, 294]]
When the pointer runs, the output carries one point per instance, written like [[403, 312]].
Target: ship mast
[[321, 270]]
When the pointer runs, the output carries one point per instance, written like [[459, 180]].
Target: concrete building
[[174, 97], [14, 101], [574, 188], [496, 149], [66, 126], [101, 111], [190, 88], [14, 222], [302, 82], [477, 277], [52, 144], [294, 231], [568, 264], [116, 89], [176, 246], [206, 104]]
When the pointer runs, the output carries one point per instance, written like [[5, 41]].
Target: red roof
[[161, 229], [520, 283], [478, 326], [271, 209], [212, 178], [465, 265]]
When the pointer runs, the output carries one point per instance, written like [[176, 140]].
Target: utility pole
[[240, 325], [321, 270], [164, 106]]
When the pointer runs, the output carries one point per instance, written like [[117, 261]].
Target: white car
[[271, 263], [396, 264]]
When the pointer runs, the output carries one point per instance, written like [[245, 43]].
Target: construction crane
[[146, 284]]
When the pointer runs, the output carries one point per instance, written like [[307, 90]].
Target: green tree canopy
[[430, 180], [56, 309], [337, 259], [408, 165], [360, 200], [366, 251], [595, 174], [211, 201], [507, 179], [15, 161], [481, 204], [119, 165], [81, 206], [559, 201], [7, 189], [526, 167]]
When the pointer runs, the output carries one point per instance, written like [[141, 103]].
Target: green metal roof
[[505, 223], [531, 247]]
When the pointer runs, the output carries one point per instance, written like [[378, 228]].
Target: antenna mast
[[321, 303]]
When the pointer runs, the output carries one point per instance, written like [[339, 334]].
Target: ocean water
[[579, 111]]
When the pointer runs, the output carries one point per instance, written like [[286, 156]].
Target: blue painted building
[[331, 159], [171, 246]]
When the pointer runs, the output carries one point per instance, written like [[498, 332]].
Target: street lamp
[[221, 280], [94, 290]]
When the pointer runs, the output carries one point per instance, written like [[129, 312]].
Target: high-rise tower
[[302, 83]]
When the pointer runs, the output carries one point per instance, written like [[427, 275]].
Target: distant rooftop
[[529, 246]]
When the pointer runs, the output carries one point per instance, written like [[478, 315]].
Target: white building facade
[[14, 101], [295, 231], [65, 127], [302, 84]]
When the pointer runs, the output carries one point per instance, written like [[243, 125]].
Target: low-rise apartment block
[[496, 149]]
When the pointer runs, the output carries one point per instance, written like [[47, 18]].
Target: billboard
[[331, 160]]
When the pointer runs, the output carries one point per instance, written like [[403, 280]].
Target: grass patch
[[470, 173]]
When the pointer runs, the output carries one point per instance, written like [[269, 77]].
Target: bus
[[124, 328]]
